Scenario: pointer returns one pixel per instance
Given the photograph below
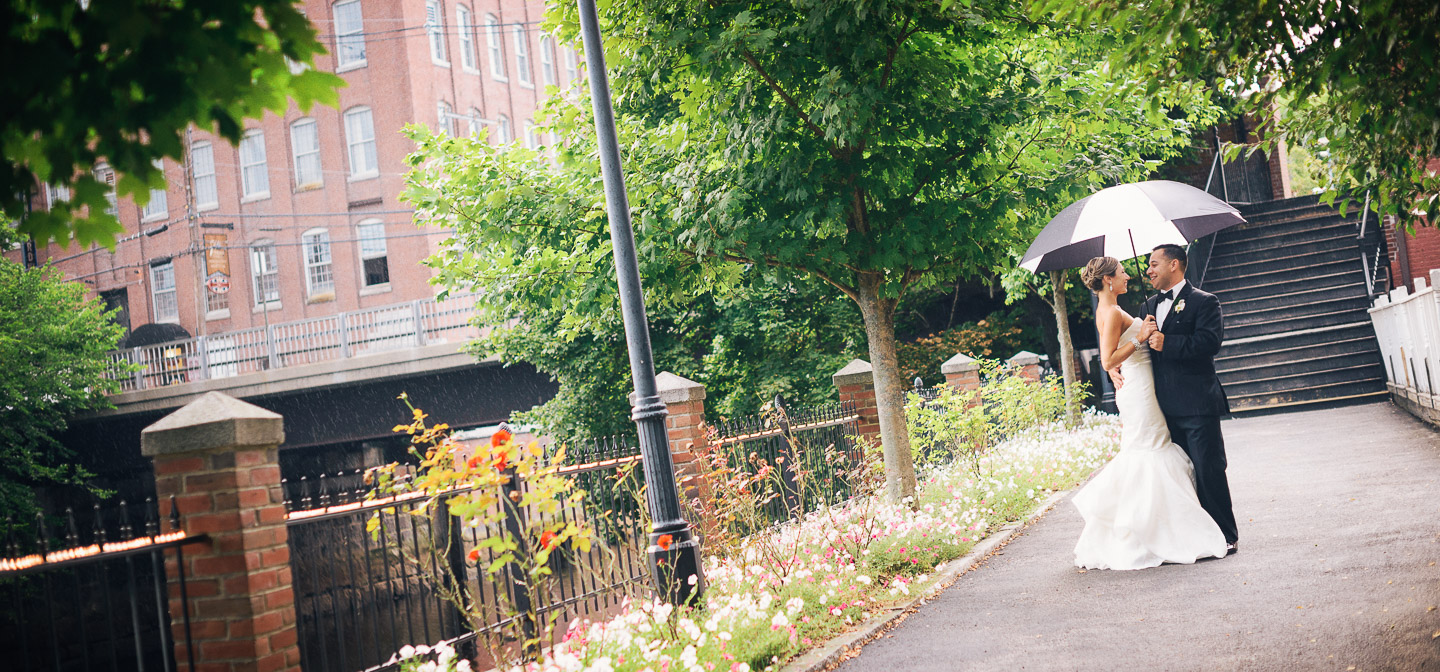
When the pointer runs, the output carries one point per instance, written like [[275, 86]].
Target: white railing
[[1407, 327], [356, 333]]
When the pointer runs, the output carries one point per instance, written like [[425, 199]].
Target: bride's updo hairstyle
[[1095, 272]]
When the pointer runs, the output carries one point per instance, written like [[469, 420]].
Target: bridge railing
[[1407, 327], [342, 336]]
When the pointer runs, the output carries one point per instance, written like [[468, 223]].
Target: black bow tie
[[1168, 295]]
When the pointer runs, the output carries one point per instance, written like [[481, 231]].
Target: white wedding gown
[[1141, 510]]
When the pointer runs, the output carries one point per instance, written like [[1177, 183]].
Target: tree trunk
[[879, 316], [1067, 349]]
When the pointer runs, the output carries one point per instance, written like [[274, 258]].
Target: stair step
[[1229, 359], [1238, 346], [1278, 204], [1290, 285], [1293, 215], [1301, 297], [1265, 276], [1266, 250], [1298, 308], [1232, 241], [1280, 325], [1278, 380], [1248, 265], [1308, 393], [1261, 406]]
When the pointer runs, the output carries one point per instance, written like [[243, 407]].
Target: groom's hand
[[1157, 342], [1115, 377]]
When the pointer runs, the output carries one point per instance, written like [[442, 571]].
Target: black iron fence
[[97, 599], [816, 441], [372, 575]]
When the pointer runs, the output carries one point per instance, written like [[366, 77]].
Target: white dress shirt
[[1162, 309]]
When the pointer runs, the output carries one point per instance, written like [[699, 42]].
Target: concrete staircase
[[1293, 289]]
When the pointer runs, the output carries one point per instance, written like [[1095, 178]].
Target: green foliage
[[54, 343], [119, 81], [1358, 74], [1002, 334]]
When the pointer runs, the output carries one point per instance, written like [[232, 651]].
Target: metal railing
[[349, 334], [101, 600]]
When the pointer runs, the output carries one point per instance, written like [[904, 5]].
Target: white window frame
[[502, 132], [473, 122], [158, 207], [56, 193], [370, 247], [532, 137], [522, 57], [263, 265], [202, 176], [495, 48], [299, 154], [547, 60], [106, 175], [435, 33], [349, 37], [465, 21], [356, 147], [254, 186], [319, 263], [572, 67], [446, 115], [163, 272]]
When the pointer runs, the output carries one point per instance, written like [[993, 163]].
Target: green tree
[[119, 81], [54, 343], [1360, 75], [877, 147]]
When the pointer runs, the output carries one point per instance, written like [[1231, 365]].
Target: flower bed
[[809, 581]]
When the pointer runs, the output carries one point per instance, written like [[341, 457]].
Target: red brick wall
[[1420, 250]]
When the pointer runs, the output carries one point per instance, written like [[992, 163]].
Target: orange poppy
[[500, 438], [473, 555], [664, 542], [501, 461], [547, 539]]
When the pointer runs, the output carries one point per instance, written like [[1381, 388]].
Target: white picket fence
[[350, 334], [1408, 329]]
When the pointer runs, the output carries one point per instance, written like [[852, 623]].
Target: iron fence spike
[[152, 522], [125, 529], [174, 514], [98, 529], [72, 534]]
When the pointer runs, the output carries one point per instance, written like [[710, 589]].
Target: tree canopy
[[877, 147], [118, 82], [1355, 79]]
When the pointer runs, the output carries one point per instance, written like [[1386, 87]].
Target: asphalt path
[[1338, 569]]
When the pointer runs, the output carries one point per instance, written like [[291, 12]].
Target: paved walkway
[[1339, 569]]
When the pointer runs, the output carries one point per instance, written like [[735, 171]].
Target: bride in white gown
[[1141, 510]]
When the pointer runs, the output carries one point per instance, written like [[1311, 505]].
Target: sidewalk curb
[[848, 645]]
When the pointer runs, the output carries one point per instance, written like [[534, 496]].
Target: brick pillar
[[856, 383], [218, 456], [684, 401], [961, 373], [1027, 363]]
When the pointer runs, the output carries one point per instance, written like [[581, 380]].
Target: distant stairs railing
[[341, 336]]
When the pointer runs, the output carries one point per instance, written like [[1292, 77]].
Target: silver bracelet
[[1135, 342]]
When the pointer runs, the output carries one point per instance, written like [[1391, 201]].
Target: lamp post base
[[677, 556]]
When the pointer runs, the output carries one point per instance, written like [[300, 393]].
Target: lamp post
[[674, 551]]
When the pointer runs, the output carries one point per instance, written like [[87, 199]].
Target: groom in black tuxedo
[[1182, 355]]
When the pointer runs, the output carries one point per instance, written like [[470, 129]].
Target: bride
[[1141, 510]]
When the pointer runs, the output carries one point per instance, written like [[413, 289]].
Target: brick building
[[302, 219], [1416, 254]]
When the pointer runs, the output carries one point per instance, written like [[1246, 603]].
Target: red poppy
[[499, 438], [501, 461], [474, 555], [473, 462], [547, 539], [664, 542]]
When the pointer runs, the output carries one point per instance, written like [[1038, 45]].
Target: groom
[[1182, 354]]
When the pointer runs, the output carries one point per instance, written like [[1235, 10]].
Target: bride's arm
[[1112, 350]]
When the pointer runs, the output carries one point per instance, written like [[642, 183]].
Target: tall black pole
[[674, 551]]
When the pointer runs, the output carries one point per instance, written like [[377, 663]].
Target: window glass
[[373, 252], [306, 142], [254, 176], [202, 168], [349, 37], [265, 272], [360, 136], [162, 292], [319, 271]]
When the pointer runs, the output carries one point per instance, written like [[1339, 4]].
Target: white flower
[[780, 620], [862, 579], [406, 651]]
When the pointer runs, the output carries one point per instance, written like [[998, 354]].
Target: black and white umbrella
[[1122, 221]]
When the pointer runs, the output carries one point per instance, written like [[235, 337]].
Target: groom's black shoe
[[1232, 548]]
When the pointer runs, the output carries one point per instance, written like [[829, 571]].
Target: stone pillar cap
[[1024, 358], [960, 363], [214, 422], [673, 389], [857, 371]]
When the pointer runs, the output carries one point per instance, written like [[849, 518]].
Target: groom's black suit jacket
[[1185, 380]]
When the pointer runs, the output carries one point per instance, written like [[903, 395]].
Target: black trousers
[[1200, 436]]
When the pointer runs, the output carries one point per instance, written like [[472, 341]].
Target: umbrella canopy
[[1124, 220]]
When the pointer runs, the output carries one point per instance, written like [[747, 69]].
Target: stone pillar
[[1027, 363], [856, 383], [219, 457], [962, 372]]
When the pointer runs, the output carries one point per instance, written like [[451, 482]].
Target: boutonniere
[[1180, 305]]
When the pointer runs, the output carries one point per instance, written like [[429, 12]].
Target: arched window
[[305, 144], [435, 30], [472, 122], [522, 56], [547, 60], [254, 173], [492, 45], [446, 115], [202, 170], [157, 207], [467, 36], [349, 35], [502, 134], [360, 141]]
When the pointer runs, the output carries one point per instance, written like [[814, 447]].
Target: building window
[[360, 136], [572, 68], [254, 175], [306, 143], [446, 115], [156, 207], [492, 45], [349, 35], [435, 29], [502, 133], [371, 235], [56, 193], [202, 171], [162, 292], [467, 37], [547, 60], [319, 273], [106, 175], [522, 55], [473, 122], [532, 138], [264, 271]]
